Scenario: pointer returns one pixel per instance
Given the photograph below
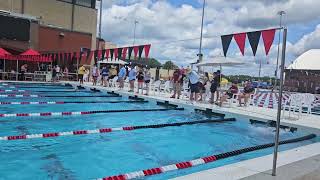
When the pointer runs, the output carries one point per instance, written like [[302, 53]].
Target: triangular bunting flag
[[111, 53], [241, 41], [107, 53], [95, 56], [124, 53], [116, 54], [130, 52], [103, 54], [147, 50], [254, 38], [226, 39], [268, 37], [135, 50], [99, 55], [140, 50], [119, 53], [90, 58]]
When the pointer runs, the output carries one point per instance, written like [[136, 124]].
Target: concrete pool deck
[[292, 164], [258, 167]]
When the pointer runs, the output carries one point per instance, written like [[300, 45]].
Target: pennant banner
[[130, 52], [268, 37], [111, 53], [226, 40], [241, 41], [140, 50], [135, 50], [254, 38], [119, 53], [124, 53], [116, 54], [147, 50], [107, 53]]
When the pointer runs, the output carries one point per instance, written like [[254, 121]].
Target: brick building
[[303, 75]]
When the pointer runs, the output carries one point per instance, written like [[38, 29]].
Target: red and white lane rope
[[108, 130], [19, 95], [10, 90], [68, 133], [22, 103], [82, 112]]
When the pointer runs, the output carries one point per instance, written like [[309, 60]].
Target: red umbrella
[[3, 53], [30, 52]]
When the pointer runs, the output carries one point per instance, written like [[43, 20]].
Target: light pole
[[280, 13], [200, 55], [134, 31], [100, 20]]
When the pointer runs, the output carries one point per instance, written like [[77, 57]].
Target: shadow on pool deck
[[307, 169]]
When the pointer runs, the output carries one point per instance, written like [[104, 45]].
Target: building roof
[[309, 60]]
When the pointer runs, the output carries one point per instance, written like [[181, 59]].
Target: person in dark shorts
[[202, 85], [215, 84], [229, 94], [147, 79], [247, 91], [140, 78], [194, 84]]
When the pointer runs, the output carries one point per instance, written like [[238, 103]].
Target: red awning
[[3, 53], [30, 52]]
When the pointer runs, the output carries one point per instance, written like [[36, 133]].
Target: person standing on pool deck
[[132, 77], [194, 84], [176, 79], [81, 72], [95, 74], [105, 74], [140, 78], [121, 76], [147, 79]]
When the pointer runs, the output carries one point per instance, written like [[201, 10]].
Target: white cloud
[[163, 25]]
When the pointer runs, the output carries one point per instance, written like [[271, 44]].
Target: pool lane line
[[70, 102], [30, 91], [84, 112], [51, 96], [109, 130], [10, 90], [200, 161]]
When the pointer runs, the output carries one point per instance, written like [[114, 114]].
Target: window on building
[[87, 3]]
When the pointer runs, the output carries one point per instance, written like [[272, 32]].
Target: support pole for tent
[[17, 73], [275, 154]]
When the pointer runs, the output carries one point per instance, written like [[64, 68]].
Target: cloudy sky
[[173, 28]]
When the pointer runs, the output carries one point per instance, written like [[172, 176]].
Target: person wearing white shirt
[[194, 84]]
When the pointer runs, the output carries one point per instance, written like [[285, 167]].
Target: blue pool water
[[99, 155]]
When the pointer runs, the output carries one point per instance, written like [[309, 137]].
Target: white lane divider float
[[10, 90], [19, 95], [68, 133], [25, 103]]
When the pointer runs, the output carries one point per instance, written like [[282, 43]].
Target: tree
[[169, 65], [150, 62]]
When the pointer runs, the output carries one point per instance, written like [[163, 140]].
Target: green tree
[[169, 65], [150, 62]]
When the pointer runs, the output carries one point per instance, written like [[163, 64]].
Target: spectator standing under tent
[[202, 86], [23, 70], [140, 78], [215, 84], [95, 74], [58, 71], [105, 76], [54, 74], [194, 84], [132, 77], [176, 81], [121, 76], [147, 79], [81, 72], [66, 73]]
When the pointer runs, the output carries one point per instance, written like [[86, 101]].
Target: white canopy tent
[[115, 62], [309, 60]]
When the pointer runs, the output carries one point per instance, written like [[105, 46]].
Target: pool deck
[[297, 163]]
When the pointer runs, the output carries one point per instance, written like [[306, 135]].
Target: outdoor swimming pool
[[96, 155]]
